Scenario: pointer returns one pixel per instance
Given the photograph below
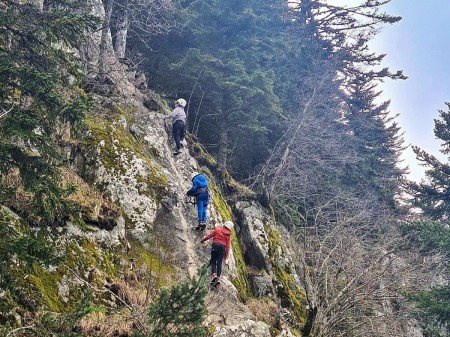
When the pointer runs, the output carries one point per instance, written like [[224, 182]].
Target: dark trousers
[[178, 131], [217, 254]]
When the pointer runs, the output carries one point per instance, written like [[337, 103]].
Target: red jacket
[[220, 235]]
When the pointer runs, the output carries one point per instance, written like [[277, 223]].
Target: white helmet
[[228, 224], [193, 175], [181, 102]]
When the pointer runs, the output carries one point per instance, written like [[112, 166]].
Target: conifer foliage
[[432, 196], [38, 93], [19, 250], [221, 62], [180, 311]]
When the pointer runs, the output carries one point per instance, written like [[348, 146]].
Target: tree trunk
[[105, 40], [121, 34], [223, 150]]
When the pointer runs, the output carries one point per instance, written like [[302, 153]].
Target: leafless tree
[[313, 144], [352, 260], [355, 269], [141, 18]]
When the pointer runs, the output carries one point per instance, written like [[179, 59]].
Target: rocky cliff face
[[128, 156], [137, 230]]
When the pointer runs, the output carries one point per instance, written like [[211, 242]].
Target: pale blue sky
[[420, 45]]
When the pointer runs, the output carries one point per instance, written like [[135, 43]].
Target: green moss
[[241, 281], [9, 219], [220, 204], [233, 187], [202, 156], [31, 280], [275, 242], [155, 184], [296, 332], [46, 284], [84, 256], [81, 224], [118, 148], [128, 112], [292, 295], [81, 259], [152, 264], [110, 266], [211, 330]]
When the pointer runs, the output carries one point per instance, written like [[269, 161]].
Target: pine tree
[[19, 250], [432, 196], [180, 311], [222, 61], [432, 237], [38, 93], [344, 32], [378, 141]]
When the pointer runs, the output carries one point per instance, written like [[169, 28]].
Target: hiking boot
[[214, 278], [215, 282], [202, 226]]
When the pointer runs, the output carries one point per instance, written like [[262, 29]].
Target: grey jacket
[[178, 114]]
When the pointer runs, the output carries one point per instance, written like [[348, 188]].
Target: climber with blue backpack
[[200, 191]]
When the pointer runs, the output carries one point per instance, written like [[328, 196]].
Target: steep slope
[[160, 213], [137, 234], [134, 231]]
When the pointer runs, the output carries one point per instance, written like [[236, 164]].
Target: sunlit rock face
[[247, 328], [130, 158]]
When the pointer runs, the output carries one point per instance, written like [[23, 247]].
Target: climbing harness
[[191, 200]]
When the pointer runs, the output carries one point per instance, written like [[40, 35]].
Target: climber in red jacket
[[220, 248]]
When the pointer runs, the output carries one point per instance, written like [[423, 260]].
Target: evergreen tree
[[38, 94], [180, 311], [19, 250], [432, 196], [432, 237], [344, 31], [378, 141], [222, 62]]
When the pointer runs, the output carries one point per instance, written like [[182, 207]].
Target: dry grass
[[265, 310], [21, 200], [100, 324], [134, 295], [93, 204], [132, 302]]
